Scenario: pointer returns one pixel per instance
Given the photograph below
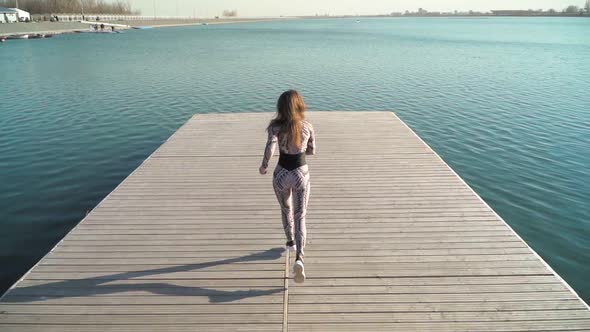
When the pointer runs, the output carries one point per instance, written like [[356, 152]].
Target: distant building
[[8, 15], [12, 15], [22, 15]]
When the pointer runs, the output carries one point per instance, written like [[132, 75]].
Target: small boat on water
[[100, 31], [2, 39], [18, 37], [38, 36], [93, 31], [27, 36]]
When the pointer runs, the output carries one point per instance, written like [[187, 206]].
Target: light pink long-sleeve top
[[275, 138]]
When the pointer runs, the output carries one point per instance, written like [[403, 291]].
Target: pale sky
[[257, 8]]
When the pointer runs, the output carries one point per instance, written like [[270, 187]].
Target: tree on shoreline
[[230, 13], [587, 7], [571, 9], [117, 7]]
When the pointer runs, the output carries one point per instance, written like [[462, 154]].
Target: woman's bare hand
[[262, 170]]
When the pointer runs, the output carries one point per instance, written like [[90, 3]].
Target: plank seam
[[286, 294]]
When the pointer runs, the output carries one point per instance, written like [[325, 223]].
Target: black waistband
[[292, 161]]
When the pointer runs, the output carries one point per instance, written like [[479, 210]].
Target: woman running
[[296, 138]]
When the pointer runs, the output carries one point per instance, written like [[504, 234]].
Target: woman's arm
[[311, 142], [269, 150]]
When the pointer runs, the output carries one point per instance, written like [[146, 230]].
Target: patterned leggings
[[293, 184]]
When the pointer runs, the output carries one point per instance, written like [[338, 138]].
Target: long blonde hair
[[290, 114]]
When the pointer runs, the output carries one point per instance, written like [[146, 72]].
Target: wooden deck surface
[[192, 241]]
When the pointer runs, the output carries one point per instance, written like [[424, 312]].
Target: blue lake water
[[505, 101]]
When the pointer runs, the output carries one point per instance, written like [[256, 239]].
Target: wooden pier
[[192, 241]]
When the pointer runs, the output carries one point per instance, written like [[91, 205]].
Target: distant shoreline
[[441, 15], [54, 28], [179, 23], [15, 29]]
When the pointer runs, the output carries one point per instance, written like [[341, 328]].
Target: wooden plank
[[418, 254], [325, 219], [449, 326], [323, 318], [170, 268], [204, 309], [244, 298], [148, 288], [122, 247], [215, 283], [403, 317], [151, 260], [428, 289], [140, 275], [219, 238], [189, 309], [260, 244], [195, 229], [474, 298], [68, 327]]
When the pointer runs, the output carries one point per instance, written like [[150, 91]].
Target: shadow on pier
[[96, 286]]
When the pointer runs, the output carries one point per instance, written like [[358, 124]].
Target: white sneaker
[[299, 271]]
